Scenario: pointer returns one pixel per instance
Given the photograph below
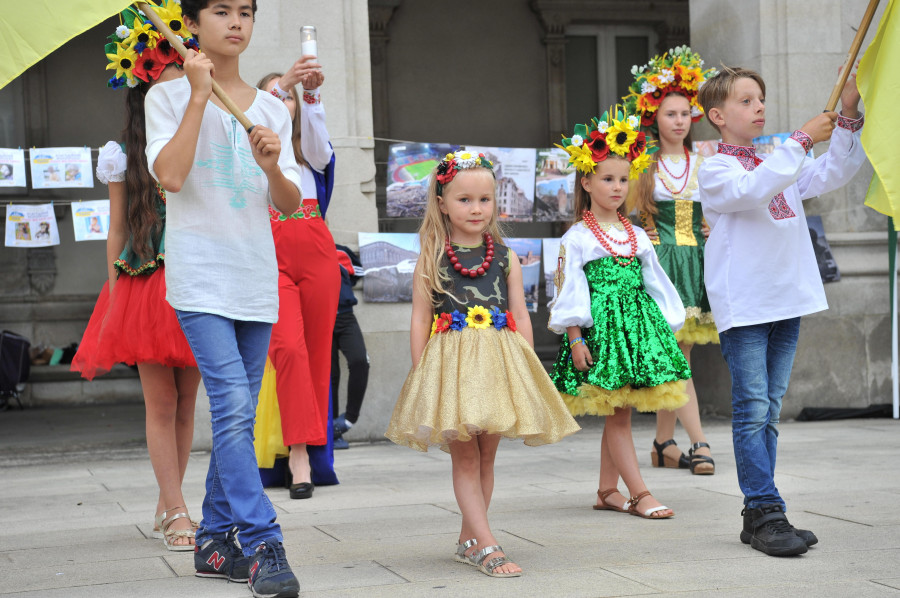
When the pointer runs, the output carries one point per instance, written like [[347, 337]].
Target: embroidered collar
[[739, 151]]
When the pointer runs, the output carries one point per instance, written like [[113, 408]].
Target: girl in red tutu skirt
[[132, 322]]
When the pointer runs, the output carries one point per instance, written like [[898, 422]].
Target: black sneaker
[[222, 559], [270, 574], [806, 535], [772, 533]]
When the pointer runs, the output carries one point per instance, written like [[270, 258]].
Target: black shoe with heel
[[701, 464], [661, 460]]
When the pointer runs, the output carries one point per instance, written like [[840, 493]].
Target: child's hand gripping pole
[[179, 47], [851, 56]]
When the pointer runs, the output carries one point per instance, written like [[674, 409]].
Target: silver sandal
[[461, 556], [170, 536], [489, 567]]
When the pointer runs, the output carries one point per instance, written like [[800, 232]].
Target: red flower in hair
[[446, 171], [510, 321], [148, 66], [165, 52], [637, 148], [598, 147]]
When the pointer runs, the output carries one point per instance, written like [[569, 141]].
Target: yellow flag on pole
[[31, 30], [879, 86]]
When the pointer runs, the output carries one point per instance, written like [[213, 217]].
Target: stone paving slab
[[390, 527]]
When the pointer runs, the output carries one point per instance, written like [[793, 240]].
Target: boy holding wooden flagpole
[[761, 273], [222, 275]]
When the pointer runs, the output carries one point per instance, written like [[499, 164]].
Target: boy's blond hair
[[717, 89]]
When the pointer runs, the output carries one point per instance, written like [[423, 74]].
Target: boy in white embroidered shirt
[[761, 273], [222, 275]]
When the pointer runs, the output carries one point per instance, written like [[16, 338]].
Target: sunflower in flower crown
[[616, 132], [138, 52], [678, 70]]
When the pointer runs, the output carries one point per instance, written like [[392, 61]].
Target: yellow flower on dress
[[619, 137], [433, 325], [639, 165], [478, 317], [122, 61]]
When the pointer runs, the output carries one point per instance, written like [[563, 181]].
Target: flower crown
[[615, 132], [138, 51], [678, 70], [456, 161]]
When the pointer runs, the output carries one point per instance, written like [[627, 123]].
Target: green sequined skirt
[[637, 362]]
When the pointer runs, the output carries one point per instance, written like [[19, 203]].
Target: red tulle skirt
[[134, 325]]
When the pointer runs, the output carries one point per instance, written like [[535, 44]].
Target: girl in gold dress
[[475, 375]]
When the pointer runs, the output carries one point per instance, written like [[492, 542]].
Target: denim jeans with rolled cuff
[[231, 355], [759, 358]]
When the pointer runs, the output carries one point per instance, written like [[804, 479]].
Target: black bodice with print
[[465, 292]]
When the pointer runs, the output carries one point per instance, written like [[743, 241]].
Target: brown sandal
[[649, 513], [608, 507]]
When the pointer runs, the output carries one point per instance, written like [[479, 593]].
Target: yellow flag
[[31, 30], [879, 86]]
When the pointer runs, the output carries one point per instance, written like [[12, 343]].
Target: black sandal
[[660, 460], [701, 464]]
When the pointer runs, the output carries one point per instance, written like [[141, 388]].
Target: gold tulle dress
[[478, 374]]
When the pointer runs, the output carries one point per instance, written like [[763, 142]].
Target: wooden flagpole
[[179, 47], [851, 57]]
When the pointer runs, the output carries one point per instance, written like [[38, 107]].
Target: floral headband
[[456, 161], [679, 70], [138, 51], [616, 132]]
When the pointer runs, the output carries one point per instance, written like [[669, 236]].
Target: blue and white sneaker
[[341, 443], [270, 573], [222, 559]]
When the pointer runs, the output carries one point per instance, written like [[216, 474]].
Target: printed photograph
[[408, 176], [388, 260], [554, 186]]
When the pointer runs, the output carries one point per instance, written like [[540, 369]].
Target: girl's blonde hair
[[433, 233]]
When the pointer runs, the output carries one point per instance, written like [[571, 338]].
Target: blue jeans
[[759, 358], [231, 355]]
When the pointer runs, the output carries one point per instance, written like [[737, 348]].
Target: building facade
[[506, 73]]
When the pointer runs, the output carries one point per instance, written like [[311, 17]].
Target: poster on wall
[[388, 260], [55, 167], [12, 167], [551, 258], [514, 169], [529, 252], [31, 226], [91, 220], [408, 176], [554, 186]]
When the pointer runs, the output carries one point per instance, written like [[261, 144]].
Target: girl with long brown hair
[[132, 322], [667, 201]]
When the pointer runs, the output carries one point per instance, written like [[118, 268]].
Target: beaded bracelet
[[575, 341]]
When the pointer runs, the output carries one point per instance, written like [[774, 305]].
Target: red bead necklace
[[687, 168], [607, 241], [485, 265]]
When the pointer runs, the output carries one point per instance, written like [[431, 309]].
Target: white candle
[[308, 48]]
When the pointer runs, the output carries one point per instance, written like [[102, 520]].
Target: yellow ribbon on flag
[[32, 30], [879, 85]]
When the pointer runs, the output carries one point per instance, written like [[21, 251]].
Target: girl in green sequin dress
[[667, 199], [475, 376], [615, 309]]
